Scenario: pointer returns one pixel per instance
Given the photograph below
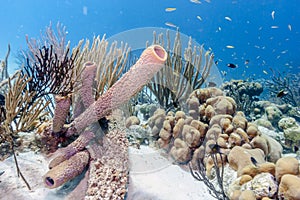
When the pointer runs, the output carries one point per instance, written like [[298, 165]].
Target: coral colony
[[227, 137]]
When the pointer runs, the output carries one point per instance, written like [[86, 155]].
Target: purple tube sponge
[[78, 145], [61, 112], [66, 170], [150, 62]]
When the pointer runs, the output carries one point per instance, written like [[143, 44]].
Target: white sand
[[154, 177], [151, 177]]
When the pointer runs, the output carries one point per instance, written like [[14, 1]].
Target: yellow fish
[[170, 9]]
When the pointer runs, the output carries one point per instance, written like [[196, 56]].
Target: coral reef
[[214, 136]]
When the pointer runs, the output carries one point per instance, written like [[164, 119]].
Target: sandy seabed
[[152, 177]]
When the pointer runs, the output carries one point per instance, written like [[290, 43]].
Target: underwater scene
[[149, 100]]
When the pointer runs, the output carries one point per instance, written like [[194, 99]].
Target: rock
[[262, 185], [286, 165], [289, 187]]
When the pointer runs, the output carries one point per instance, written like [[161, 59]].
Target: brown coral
[[180, 151]]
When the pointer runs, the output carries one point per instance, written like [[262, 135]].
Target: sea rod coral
[[150, 62]]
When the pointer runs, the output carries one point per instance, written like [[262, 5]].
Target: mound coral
[[214, 136]]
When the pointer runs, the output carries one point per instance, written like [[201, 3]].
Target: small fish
[[146, 141], [198, 17], [2, 172], [265, 72], [296, 148], [282, 93], [170, 24], [170, 9], [215, 148], [195, 1], [247, 62], [274, 27], [228, 19], [230, 47], [230, 65], [253, 160], [273, 14], [216, 62], [290, 27], [211, 84]]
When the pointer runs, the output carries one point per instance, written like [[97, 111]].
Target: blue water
[[249, 30]]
